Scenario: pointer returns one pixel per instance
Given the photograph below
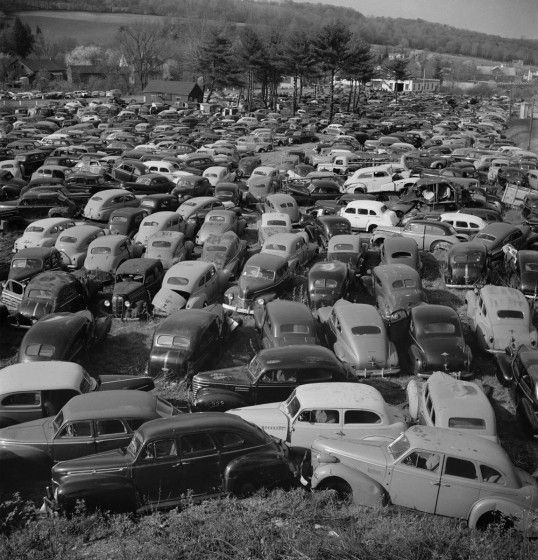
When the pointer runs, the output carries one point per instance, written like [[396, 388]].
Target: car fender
[[263, 469], [504, 370], [105, 491], [413, 390], [366, 491], [211, 398], [506, 507], [196, 302], [24, 455]]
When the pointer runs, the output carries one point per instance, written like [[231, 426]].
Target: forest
[[402, 33]]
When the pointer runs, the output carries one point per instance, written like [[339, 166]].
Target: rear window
[[215, 248], [406, 283], [509, 314], [163, 244], [118, 220], [178, 281], [485, 236], [34, 229], [531, 267], [365, 329], [439, 328], [323, 283], [275, 247], [295, 328], [467, 423], [173, 341], [216, 219], [101, 251], [45, 350], [343, 247], [68, 239], [469, 258], [22, 399], [276, 223], [39, 293]]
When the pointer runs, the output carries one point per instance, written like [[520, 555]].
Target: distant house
[[31, 67], [416, 84], [173, 91], [82, 74]]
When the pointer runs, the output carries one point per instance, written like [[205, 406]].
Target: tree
[[143, 47], [397, 70], [331, 49], [251, 52], [299, 61], [359, 69], [438, 70], [17, 40], [218, 63], [85, 55]]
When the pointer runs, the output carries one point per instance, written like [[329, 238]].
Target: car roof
[[281, 197], [53, 279], [299, 356], [187, 423], [38, 376], [80, 231], [49, 222], [340, 395], [286, 311], [137, 265], [285, 238], [498, 228], [160, 216], [429, 312], [395, 271], [503, 297], [36, 252], [191, 269], [353, 314], [365, 203], [109, 193], [107, 241], [110, 404], [267, 260], [332, 269], [128, 211]]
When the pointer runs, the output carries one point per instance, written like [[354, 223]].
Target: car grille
[[196, 386], [117, 306]]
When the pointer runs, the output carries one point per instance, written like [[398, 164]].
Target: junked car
[[347, 249], [463, 223], [73, 244], [42, 233], [400, 250], [157, 222], [327, 282], [367, 215], [227, 252], [358, 337], [218, 222], [126, 221], [170, 247], [521, 271], [271, 223], [467, 265], [102, 204], [498, 234], [283, 203], [106, 253], [296, 248], [434, 470]]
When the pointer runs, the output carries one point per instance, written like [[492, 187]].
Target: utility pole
[[530, 124]]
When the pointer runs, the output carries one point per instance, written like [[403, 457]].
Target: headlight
[[106, 303], [229, 297], [127, 304], [260, 301]]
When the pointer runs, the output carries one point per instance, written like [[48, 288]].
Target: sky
[[508, 18]]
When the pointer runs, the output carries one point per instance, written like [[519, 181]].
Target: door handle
[[435, 483], [446, 485], [340, 433]]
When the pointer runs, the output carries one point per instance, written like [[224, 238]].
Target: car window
[[361, 417], [350, 211], [362, 211], [434, 230], [460, 468], [109, 427], [231, 440], [196, 444], [162, 449], [278, 376], [423, 460], [76, 430], [491, 475], [23, 399]]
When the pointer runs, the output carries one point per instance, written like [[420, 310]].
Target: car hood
[[404, 299], [249, 286], [167, 301], [35, 309], [108, 461], [126, 288], [101, 262], [227, 376], [269, 417], [35, 431], [434, 348]]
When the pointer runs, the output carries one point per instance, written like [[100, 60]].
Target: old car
[[400, 250], [88, 423], [192, 186], [36, 390], [336, 410], [324, 227], [396, 288], [436, 342], [136, 282], [194, 211], [217, 222], [263, 278], [296, 248], [284, 323], [463, 223], [126, 221], [227, 252], [188, 284], [159, 202], [329, 281], [467, 265], [271, 223], [42, 233], [517, 367], [500, 317], [367, 215], [307, 193], [51, 292], [446, 402], [229, 194], [260, 185], [269, 377], [347, 249], [170, 247], [217, 174], [62, 336], [106, 253], [529, 210], [358, 337], [150, 183], [40, 202], [103, 203], [189, 340], [171, 462], [498, 234], [520, 271], [434, 470], [73, 244], [246, 166], [284, 204], [159, 221]]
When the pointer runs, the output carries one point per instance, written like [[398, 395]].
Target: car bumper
[[375, 372], [238, 309], [463, 374]]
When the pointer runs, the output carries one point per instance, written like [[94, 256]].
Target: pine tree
[[21, 41]]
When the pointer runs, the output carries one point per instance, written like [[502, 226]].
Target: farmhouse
[[173, 91]]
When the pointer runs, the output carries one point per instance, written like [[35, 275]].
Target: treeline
[[403, 33]]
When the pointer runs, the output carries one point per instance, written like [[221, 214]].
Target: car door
[[157, 472], [415, 480], [313, 423], [274, 385], [111, 433], [360, 423], [200, 465], [350, 213], [459, 489], [74, 439], [415, 231]]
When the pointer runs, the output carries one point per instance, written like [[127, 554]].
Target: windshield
[[34, 229], [509, 314], [164, 408], [39, 293], [254, 368], [58, 421], [259, 273], [447, 328], [365, 329], [216, 219], [294, 328], [26, 263], [406, 283], [134, 447], [467, 423], [398, 447], [293, 405], [276, 223]]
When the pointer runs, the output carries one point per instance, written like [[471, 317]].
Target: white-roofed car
[[367, 215], [103, 203], [218, 174], [157, 222], [42, 233], [464, 223], [337, 410]]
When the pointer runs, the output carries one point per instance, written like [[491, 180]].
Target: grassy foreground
[[281, 525]]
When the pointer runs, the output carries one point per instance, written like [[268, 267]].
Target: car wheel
[[340, 487], [412, 391], [245, 488], [372, 228], [494, 519]]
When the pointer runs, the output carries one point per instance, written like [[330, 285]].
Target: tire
[[494, 519], [413, 395], [245, 488], [342, 489]]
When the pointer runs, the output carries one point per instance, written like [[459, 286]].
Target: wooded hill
[[404, 33]]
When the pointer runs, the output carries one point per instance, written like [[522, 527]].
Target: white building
[[429, 85]]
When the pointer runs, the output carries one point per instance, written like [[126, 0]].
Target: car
[[500, 317], [246, 166], [529, 210], [271, 223], [229, 194], [324, 227], [36, 389], [73, 244], [194, 211], [283, 323], [150, 183], [103, 203], [165, 220], [136, 281], [126, 221], [107, 252], [253, 144], [446, 402], [217, 222], [217, 454], [51, 292], [62, 336], [358, 337], [26, 263], [218, 174], [188, 284], [170, 247], [307, 193], [284, 204], [270, 376], [296, 248], [520, 271], [342, 410], [435, 470], [463, 223], [327, 282], [498, 234], [42, 233], [516, 368], [40, 202], [189, 340], [367, 215], [264, 277], [348, 249], [87, 424], [433, 236], [227, 252], [159, 202], [436, 342], [191, 186], [467, 265], [400, 250]]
